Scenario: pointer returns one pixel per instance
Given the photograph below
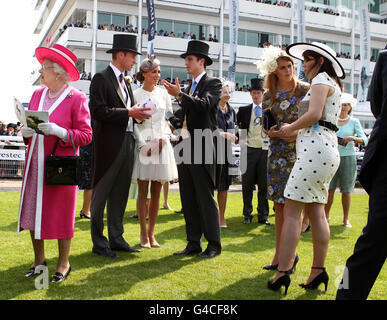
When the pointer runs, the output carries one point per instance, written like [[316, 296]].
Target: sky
[[16, 54]]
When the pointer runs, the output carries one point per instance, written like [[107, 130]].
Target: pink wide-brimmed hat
[[60, 55]]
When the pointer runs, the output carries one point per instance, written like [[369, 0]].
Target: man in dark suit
[[370, 252], [197, 177], [113, 110], [249, 119]]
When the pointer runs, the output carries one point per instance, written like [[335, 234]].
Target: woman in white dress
[[155, 162], [317, 161]]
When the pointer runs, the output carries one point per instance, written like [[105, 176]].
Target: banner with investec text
[[234, 21], [151, 26]]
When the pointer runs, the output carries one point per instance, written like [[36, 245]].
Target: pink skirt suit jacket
[[50, 210]]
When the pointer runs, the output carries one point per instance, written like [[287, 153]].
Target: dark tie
[[122, 83]]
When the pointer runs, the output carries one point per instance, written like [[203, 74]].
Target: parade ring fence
[[12, 160]]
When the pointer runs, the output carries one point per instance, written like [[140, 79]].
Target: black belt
[[328, 125]]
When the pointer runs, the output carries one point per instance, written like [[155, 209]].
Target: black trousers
[[256, 174], [370, 252], [112, 191], [199, 206]]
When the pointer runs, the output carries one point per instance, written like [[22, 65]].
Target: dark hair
[[139, 76], [114, 54], [327, 66], [201, 57]]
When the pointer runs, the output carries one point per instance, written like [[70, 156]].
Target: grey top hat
[[125, 43], [198, 48]]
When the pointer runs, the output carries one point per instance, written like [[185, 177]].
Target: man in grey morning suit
[[249, 119]]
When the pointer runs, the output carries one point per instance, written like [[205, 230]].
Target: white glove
[[27, 132], [50, 128]]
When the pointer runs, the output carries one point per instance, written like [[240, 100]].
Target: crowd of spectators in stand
[[128, 28], [79, 24], [326, 11], [275, 3], [348, 56]]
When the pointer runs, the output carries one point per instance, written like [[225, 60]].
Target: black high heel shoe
[[281, 281], [293, 269], [271, 267], [320, 278], [83, 215], [31, 273]]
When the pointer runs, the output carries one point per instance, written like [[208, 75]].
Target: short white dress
[[161, 166], [318, 157]]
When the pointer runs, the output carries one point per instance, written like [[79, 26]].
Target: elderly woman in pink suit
[[49, 211]]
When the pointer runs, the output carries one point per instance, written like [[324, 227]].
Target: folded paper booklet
[[148, 103], [30, 118]]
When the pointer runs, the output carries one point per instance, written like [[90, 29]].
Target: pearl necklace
[[344, 119], [223, 108], [56, 94]]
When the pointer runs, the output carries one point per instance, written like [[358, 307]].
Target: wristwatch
[[179, 96]]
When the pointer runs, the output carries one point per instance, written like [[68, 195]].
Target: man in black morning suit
[[196, 178], [113, 110], [370, 251], [249, 119]]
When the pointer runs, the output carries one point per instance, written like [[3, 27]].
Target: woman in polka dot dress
[[317, 161]]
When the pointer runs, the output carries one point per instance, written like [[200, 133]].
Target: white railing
[[12, 160]]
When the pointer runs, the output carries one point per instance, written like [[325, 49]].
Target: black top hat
[[257, 84], [124, 42], [198, 48]]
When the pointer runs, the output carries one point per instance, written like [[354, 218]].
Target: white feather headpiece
[[268, 62]]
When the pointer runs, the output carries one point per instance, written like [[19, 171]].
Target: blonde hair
[[271, 79]]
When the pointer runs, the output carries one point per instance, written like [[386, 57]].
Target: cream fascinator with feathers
[[268, 62]]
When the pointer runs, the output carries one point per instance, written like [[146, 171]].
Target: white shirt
[[125, 94], [198, 78], [117, 73]]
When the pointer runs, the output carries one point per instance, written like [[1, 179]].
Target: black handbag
[[62, 170], [268, 119]]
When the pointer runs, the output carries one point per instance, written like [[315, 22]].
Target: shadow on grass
[[117, 279], [254, 288], [14, 279]]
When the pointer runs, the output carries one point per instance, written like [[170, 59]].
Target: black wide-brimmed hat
[[125, 43], [198, 48], [257, 84]]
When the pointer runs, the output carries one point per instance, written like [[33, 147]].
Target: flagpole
[[292, 23], [353, 47], [139, 26], [94, 42], [221, 38]]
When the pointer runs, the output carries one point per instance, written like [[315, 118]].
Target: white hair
[[61, 72], [227, 83]]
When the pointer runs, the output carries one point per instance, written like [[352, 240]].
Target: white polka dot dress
[[318, 157]]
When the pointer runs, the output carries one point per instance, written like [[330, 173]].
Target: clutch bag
[[268, 119]]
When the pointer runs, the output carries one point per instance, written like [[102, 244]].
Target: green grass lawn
[[156, 274]]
